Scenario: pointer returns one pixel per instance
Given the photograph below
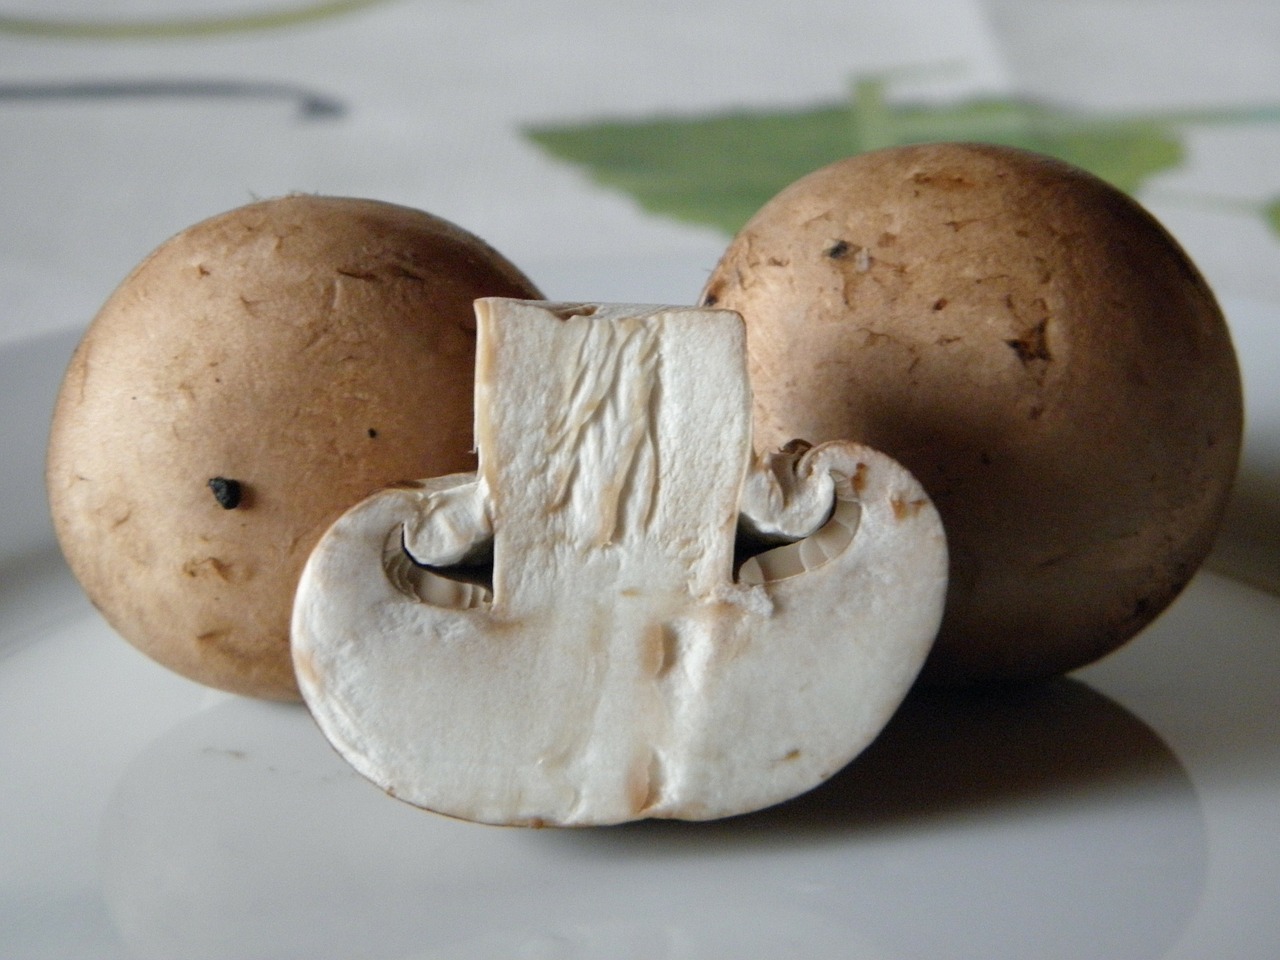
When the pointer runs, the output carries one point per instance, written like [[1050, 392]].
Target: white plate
[[1131, 812]]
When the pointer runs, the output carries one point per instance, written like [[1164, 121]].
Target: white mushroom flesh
[[563, 638]]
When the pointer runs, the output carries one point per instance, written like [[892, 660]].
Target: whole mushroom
[[1036, 349], [255, 376]]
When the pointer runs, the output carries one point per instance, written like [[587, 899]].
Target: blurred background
[[123, 121], [572, 135]]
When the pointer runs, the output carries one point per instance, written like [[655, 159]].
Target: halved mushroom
[[572, 635]]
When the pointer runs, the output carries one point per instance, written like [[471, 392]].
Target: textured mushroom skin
[[290, 350], [1041, 355], [610, 665]]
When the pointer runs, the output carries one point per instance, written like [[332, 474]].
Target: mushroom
[[624, 613], [1036, 349], [254, 377]]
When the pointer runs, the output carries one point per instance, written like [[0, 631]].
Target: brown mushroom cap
[[255, 376], [1036, 349]]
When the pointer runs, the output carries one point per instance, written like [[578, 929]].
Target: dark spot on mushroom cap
[[711, 295], [1033, 345], [837, 249], [228, 493]]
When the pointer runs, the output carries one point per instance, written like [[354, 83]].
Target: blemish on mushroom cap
[[229, 493], [1032, 345]]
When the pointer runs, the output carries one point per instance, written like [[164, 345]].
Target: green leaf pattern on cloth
[[717, 170], [158, 28]]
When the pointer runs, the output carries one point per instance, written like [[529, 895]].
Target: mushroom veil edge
[[625, 612]]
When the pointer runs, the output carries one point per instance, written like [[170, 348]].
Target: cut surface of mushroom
[[572, 635]]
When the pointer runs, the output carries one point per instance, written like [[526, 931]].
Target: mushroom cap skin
[[1036, 349], [567, 636], [252, 378]]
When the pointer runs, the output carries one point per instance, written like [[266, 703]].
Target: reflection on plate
[[1047, 822]]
